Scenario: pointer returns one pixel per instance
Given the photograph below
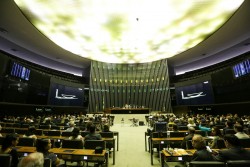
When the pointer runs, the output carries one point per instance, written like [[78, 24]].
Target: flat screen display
[[20, 71], [241, 68], [195, 94], [63, 95]]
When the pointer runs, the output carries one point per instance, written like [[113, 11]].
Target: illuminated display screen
[[241, 69], [195, 94], [63, 95], [20, 71], [122, 31]]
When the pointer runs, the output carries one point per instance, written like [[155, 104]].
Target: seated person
[[109, 144], [92, 135], [76, 135], [202, 154], [71, 126], [234, 151], [32, 160], [8, 147], [30, 132], [239, 132], [216, 135], [191, 132], [43, 146]]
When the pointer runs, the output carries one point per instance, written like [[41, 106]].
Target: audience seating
[[230, 131], [20, 131], [66, 133], [76, 144], [202, 133], [178, 134], [84, 133], [8, 130], [182, 128], [1, 140], [5, 160], [92, 144], [238, 163], [189, 144], [54, 133], [206, 164], [47, 162], [26, 141], [38, 132], [221, 144], [245, 143]]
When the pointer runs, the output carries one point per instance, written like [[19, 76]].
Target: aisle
[[132, 147]]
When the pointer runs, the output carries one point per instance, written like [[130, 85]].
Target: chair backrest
[[1, 140], [189, 144], [7, 130], [47, 162], [230, 131], [200, 132], [66, 133], [20, 131], [177, 134], [238, 163], [206, 164], [182, 128], [26, 141], [44, 127], [245, 143], [221, 144], [54, 133], [38, 132], [92, 144], [84, 133], [77, 144], [107, 134], [5, 160]]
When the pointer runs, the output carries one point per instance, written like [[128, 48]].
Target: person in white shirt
[[71, 126], [239, 132]]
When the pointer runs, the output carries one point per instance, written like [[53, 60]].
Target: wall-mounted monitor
[[242, 68], [65, 95], [19, 71], [195, 94]]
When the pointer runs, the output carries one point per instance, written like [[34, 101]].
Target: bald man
[[34, 159], [201, 154]]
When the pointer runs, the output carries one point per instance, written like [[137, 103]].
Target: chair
[[177, 134], [92, 144], [47, 162], [238, 163], [206, 164], [109, 145], [8, 130], [25, 126], [38, 132], [20, 131], [230, 131], [84, 133], [66, 133], [54, 133], [5, 160], [44, 127], [182, 128], [189, 145], [245, 143], [25, 141], [221, 144], [202, 133], [1, 140], [76, 144]]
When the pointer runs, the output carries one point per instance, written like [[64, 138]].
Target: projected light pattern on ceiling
[[128, 31]]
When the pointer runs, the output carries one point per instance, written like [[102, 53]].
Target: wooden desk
[[72, 154], [179, 155], [162, 141], [127, 110]]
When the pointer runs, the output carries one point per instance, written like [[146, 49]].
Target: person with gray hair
[[32, 160]]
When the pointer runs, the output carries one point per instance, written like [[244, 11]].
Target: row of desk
[[72, 154], [62, 138]]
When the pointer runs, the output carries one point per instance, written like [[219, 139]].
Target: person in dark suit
[[92, 134], [202, 154], [234, 151], [191, 131]]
